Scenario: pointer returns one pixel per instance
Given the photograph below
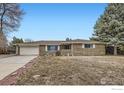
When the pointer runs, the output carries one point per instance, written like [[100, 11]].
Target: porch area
[[56, 50]]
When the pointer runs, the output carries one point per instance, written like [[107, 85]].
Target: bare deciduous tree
[[10, 16]]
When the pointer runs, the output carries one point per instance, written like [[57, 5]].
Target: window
[[89, 46], [66, 47], [52, 47]]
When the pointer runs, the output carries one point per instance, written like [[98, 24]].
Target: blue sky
[[58, 21]]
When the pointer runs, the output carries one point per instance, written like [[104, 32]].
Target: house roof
[[43, 42], [50, 42], [82, 41]]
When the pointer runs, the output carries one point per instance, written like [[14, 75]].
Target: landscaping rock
[[36, 77], [103, 81], [24, 67], [13, 74]]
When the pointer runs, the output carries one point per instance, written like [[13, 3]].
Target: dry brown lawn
[[78, 70]]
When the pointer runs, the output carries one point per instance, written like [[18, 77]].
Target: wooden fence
[[7, 50]]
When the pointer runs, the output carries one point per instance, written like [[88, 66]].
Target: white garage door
[[29, 50]]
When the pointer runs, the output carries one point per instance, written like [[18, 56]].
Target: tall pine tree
[[109, 27]]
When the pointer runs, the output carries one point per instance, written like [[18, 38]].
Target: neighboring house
[[65, 48]]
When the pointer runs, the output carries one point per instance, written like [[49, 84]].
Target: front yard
[[82, 70]]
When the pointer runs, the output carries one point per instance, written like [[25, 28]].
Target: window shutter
[[93, 45], [58, 47], [82, 45], [46, 48]]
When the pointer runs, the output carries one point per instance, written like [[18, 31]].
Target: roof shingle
[[57, 42]]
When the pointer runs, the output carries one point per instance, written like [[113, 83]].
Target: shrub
[[58, 53]]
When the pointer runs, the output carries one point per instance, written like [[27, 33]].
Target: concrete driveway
[[11, 64]]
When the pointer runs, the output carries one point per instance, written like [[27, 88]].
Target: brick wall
[[42, 51], [66, 52], [97, 51]]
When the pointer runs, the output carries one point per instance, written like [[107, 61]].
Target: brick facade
[[76, 50], [65, 48], [97, 51]]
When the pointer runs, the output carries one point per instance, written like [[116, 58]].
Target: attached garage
[[29, 50], [32, 48]]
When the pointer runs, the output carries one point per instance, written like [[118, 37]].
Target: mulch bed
[[11, 79]]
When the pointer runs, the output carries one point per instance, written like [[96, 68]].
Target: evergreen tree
[[110, 26], [17, 40], [68, 39]]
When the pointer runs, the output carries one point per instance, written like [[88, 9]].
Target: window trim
[[93, 46], [68, 47], [51, 50]]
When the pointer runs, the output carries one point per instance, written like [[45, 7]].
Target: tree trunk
[[1, 19], [115, 50]]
